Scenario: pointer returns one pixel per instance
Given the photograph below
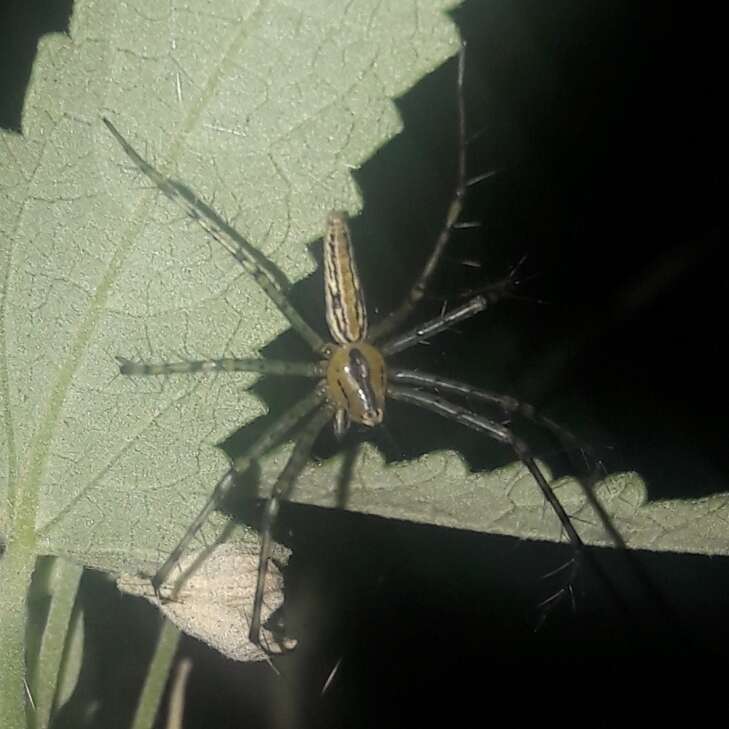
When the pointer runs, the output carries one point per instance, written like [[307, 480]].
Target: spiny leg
[[225, 364], [504, 435], [391, 322], [264, 272], [281, 489], [446, 320], [274, 433], [504, 402], [430, 328], [512, 405]]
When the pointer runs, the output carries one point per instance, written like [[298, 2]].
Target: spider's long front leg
[[281, 489], [270, 437], [504, 402], [512, 405], [498, 432], [264, 272]]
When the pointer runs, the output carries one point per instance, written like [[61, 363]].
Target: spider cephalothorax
[[354, 378], [356, 385]]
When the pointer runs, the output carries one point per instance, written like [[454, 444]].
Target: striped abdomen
[[346, 313]]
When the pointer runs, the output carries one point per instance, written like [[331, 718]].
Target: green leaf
[[47, 672], [265, 107], [439, 489], [262, 108]]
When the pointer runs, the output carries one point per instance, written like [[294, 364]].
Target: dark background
[[605, 122]]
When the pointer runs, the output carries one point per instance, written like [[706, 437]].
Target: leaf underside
[[262, 109]]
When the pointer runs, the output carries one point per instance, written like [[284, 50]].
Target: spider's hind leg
[[390, 323], [263, 271]]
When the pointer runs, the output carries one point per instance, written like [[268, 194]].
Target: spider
[[354, 375]]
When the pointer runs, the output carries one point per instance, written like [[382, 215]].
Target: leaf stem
[[159, 669], [65, 582], [16, 570]]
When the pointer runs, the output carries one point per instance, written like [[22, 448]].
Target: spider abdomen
[[345, 306]]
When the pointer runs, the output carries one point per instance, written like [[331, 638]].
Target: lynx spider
[[353, 373]]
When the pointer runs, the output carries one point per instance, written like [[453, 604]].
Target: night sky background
[[605, 122]]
